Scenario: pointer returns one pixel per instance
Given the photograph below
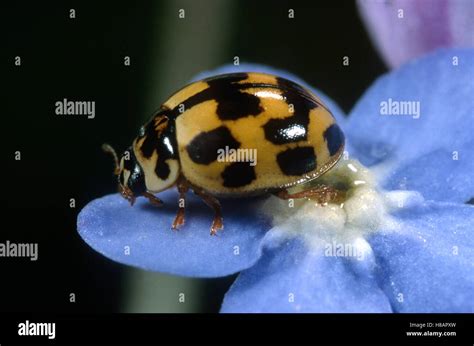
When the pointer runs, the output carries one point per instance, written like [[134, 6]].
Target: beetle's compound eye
[[131, 178]]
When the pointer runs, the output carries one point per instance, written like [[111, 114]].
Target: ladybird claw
[[153, 199], [217, 225], [127, 194], [179, 219]]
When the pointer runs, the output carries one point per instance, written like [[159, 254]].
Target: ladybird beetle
[[191, 141]]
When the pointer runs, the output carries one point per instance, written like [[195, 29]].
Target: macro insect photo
[[241, 157]]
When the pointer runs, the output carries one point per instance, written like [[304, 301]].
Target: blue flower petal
[[110, 226], [439, 175], [444, 127], [288, 278], [429, 265]]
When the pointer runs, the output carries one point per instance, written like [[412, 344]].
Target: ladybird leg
[[127, 194], [322, 194], [214, 204], [153, 199], [182, 189]]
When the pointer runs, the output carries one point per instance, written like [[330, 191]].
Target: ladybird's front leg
[[183, 187], [322, 194], [213, 202], [153, 199]]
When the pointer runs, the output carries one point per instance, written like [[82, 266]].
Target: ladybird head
[[157, 153], [131, 180]]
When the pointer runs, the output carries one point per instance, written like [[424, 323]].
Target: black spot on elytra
[[203, 148], [151, 141], [164, 143], [297, 161], [229, 77], [293, 128], [287, 130], [287, 84], [334, 138], [162, 169], [238, 174], [232, 103]]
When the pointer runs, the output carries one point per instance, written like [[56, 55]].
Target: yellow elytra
[[232, 135]]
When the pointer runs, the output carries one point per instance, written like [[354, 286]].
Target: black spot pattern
[[164, 143], [297, 161], [334, 138], [238, 174], [203, 148], [151, 140], [162, 169], [287, 84], [288, 130], [232, 103], [294, 128]]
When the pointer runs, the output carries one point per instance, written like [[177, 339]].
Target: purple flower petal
[[429, 265], [141, 235], [288, 278], [405, 29], [436, 141]]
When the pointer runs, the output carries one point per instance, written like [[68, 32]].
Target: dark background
[[82, 59]]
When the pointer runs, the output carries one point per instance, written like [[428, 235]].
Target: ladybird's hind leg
[[183, 187], [322, 194], [214, 204], [153, 199]]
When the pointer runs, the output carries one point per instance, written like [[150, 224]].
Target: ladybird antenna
[[107, 148]]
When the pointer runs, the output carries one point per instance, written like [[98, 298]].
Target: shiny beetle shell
[[294, 135]]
